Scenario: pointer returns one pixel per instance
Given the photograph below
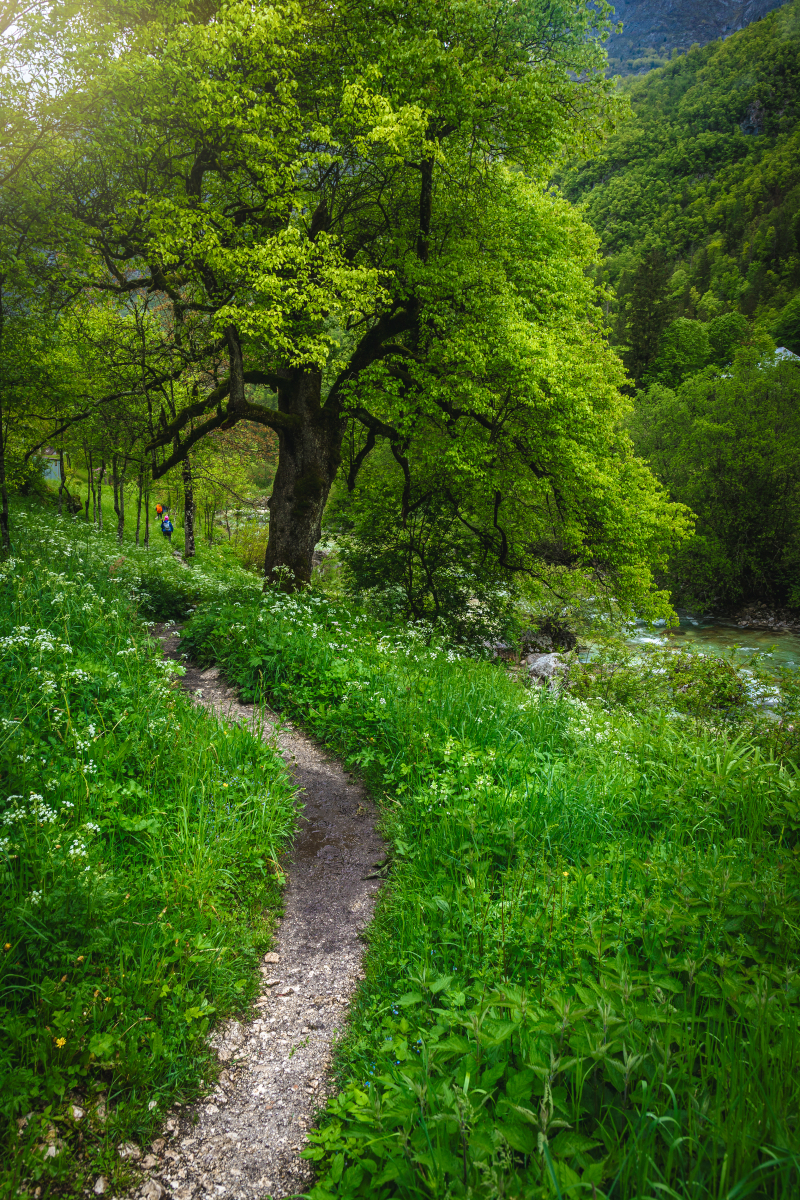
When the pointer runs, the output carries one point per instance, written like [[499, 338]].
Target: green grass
[[138, 838], [161, 585], [243, 546], [582, 979]]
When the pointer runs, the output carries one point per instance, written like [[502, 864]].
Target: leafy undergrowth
[[582, 980], [137, 845], [736, 695], [161, 585]]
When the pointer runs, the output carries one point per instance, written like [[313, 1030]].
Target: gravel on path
[[243, 1141]]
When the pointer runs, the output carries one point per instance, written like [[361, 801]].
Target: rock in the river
[[544, 667]]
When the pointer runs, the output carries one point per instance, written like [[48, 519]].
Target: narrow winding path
[[243, 1141]]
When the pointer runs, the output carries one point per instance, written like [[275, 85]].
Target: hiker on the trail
[[166, 527], [159, 511]]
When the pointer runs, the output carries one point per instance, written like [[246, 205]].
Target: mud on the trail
[[244, 1140]]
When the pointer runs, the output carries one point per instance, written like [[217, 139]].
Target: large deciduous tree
[[340, 203], [278, 173]]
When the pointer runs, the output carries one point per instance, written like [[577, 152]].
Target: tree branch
[[355, 466], [194, 410], [178, 455], [172, 430]]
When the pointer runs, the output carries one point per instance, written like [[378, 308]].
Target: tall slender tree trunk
[[94, 492], [121, 508], [100, 496], [188, 509], [119, 502], [87, 458], [139, 508], [147, 518], [115, 482], [62, 479], [309, 456], [5, 527]]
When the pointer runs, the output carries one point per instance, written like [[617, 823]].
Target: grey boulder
[[545, 667]]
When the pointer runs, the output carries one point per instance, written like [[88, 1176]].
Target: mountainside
[[698, 192], [655, 29], [696, 200]]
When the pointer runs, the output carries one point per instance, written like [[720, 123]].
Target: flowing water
[[719, 637]]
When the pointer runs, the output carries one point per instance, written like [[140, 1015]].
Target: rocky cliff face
[[654, 29]]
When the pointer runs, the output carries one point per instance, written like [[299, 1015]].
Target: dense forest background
[[696, 200], [651, 32]]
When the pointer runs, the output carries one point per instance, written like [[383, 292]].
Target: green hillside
[[699, 191]]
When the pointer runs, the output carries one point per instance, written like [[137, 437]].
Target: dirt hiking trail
[[244, 1140]]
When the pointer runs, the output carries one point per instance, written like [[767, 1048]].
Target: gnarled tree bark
[[309, 457]]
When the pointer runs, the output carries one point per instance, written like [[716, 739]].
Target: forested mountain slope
[[699, 191], [652, 30], [696, 199]]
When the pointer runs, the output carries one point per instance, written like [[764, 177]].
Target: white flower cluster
[[39, 640], [35, 808]]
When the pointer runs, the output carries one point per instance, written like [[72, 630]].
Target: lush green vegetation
[[331, 247], [696, 199], [138, 839], [381, 267], [581, 980], [707, 175], [727, 444]]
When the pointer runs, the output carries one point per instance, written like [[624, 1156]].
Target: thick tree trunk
[[188, 509], [308, 458]]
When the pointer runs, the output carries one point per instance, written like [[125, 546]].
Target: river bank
[[761, 616]]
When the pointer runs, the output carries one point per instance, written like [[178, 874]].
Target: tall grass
[[137, 844], [582, 980], [161, 585]]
